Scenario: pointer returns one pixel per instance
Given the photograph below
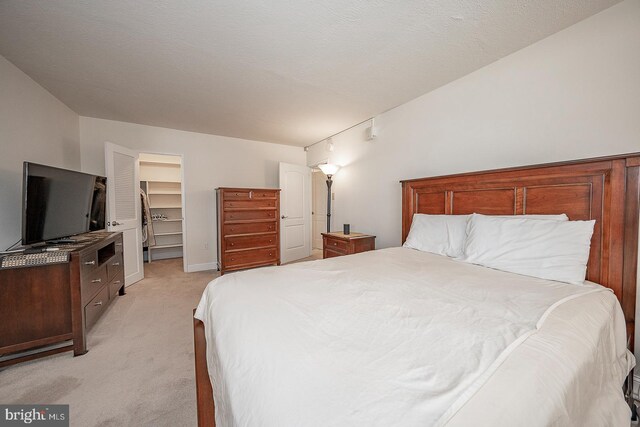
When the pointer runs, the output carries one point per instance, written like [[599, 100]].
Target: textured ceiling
[[292, 71]]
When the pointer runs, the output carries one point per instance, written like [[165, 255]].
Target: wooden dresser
[[56, 304], [248, 228], [338, 244]]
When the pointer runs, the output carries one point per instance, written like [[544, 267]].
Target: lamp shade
[[329, 168]]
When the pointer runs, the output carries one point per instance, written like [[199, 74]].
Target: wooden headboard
[[605, 189]]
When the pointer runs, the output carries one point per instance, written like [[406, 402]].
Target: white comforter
[[402, 337]]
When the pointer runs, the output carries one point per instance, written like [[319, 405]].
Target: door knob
[[284, 216], [114, 223]]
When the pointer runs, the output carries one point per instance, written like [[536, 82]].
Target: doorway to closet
[[162, 195]]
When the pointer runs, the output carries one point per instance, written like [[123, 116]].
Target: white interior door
[[295, 212], [123, 206], [319, 214]]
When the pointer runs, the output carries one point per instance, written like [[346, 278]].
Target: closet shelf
[[165, 181], [176, 245], [175, 233], [167, 220], [165, 207], [159, 163], [166, 193]]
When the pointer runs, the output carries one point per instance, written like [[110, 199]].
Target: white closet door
[[295, 210], [123, 206]]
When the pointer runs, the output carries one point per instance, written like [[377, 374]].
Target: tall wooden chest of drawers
[[248, 227]]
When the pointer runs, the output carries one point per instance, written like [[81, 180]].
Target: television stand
[[48, 308], [68, 240]]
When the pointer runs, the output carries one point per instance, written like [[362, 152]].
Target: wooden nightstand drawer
[[338, 244]]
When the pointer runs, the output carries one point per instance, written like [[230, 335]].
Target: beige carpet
[[139, 368], [315, 254]]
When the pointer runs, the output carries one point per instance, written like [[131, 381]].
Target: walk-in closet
[[162, 204]]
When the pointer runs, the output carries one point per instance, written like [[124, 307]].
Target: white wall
[[573, 95], [34, 126], [209, 161]]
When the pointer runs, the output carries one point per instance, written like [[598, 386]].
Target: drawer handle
[[97, 303], [90, 262], [96, 281], [270, 254], [115, 264], [118, 244], [335, 243], [233, 259], [116, 282], [232, 244], [270, 241]]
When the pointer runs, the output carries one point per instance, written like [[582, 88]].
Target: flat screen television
[[59, 203]]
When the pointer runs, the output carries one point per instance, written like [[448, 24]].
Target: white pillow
[[446, 234], [439, 234], [553, 250]]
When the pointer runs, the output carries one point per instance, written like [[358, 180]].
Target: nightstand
[[338, 244]]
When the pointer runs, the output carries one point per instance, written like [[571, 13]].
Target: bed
[[403, 337]]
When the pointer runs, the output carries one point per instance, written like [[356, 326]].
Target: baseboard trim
[[192, 268], [165, 255]]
